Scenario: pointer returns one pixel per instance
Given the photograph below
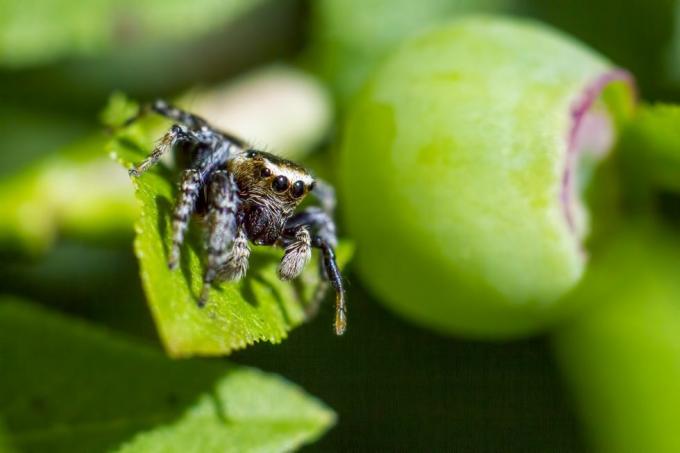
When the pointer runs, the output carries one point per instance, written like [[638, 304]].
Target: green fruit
[[349, 37], [454, 159]]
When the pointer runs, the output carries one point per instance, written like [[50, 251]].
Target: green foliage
[[75, 190], [651, 145], [444, 241], [22, 146], [622, 31], [66, 386], [45, 30], [622, 356], [259, 308]]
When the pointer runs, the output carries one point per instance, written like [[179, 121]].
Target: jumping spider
[[245, 195]]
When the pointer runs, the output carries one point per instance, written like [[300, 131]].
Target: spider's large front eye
[[298, 189], [280, 183]]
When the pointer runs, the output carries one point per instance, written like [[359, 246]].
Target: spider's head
[[269, 177], [270, 189]]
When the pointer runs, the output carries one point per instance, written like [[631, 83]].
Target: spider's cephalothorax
[[246, 196], [270, 189]]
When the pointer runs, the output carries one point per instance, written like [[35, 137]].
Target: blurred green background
[[66, 215]]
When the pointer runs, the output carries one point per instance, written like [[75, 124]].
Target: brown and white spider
[[245, 195]]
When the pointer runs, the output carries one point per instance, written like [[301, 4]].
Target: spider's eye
[[298, 189], [312, 186], [265, 172], [280, 183], [251, 154]]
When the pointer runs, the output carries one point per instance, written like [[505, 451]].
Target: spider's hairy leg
[[189, 189], [333, 274], [324, 238], [162, 108], [222, 207], [167, 142], [318, 220], [236, 265], [325, 193], [297, 254]]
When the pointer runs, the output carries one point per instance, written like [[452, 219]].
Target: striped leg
[[333, 274], [324, 238], [222, 199], [237, 262], [164, 109], [325, 193], [166, 143], [189, 189]]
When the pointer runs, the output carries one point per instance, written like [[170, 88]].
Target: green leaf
[[75, 190], [259, 308], [45, 30], [651, 145], [66, 386]]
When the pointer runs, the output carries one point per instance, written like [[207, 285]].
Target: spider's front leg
[[332, 272], [189, 186], [325, 193], [222, 207], [297, 239], [171, 139], [169, 111]]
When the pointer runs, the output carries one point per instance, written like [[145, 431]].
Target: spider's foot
[[134, 172], [340, 312], [205, 294], [340, 322], [173, 261]]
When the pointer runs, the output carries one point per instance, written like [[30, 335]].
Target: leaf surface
[[66, 386]]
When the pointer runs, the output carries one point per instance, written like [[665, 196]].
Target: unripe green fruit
[[461, 163]]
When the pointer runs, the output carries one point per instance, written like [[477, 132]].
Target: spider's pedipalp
[[189, 189], [222, 207], [297, 254]]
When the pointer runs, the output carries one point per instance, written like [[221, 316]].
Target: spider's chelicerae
[[245, 195]]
